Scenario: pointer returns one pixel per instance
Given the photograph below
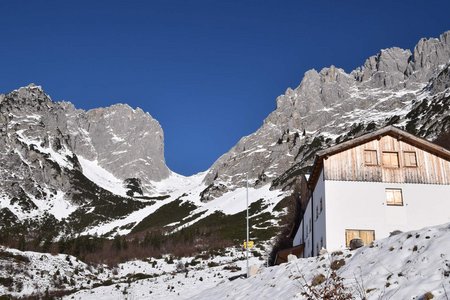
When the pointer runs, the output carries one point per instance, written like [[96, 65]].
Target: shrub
[[322, 287], [212, 264], [318, 279], [337, 264]]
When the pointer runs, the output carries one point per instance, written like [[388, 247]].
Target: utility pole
[[246, 248]]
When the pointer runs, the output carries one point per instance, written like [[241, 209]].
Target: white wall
[[304, 233], [362, 205]]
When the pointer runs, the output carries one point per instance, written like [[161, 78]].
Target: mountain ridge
[[330, 103]]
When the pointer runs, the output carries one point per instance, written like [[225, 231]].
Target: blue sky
[[208, 71]]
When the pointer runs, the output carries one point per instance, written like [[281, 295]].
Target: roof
[[388, 130]]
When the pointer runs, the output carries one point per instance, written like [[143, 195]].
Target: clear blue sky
[[208, 71]]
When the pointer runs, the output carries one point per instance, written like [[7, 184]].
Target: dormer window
[[390, 159]]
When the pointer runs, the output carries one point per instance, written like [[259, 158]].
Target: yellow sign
[[250, 244]]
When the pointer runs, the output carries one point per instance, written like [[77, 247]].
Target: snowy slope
[[405, 266], [167, 283], [102, 177], [28, 273], [187, 189]]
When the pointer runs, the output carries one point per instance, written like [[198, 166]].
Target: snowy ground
[[32, 273], [27, 273], [171, 284], [405, 266]]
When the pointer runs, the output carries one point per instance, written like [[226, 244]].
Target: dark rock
[[356, 243]]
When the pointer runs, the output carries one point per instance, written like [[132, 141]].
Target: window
[[390, 159], [321, 242], [321, 205], [394, 197], [410, 159], [370, 157], [367, 236], [317, 212]]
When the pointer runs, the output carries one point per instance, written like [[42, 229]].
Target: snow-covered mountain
[[49, 149], [395, 86], [103, 171], [100, 171]]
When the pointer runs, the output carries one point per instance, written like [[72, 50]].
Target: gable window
[[394, 197], [370, 157], [410, 159], [390, 159]]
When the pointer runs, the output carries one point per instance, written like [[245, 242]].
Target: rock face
[[356, 243], [332, 105], [40, 145], [127, 142], [35, 156]]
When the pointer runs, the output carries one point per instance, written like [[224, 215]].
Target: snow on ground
[[167, 282], [27, 273], [59, 207], [405, 266], [56, 205], [102, 177]]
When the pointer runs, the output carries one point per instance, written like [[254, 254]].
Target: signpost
[[250, 244], [246, 243]]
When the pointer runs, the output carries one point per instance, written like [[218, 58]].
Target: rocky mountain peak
[[331, 103], [127, 142], [30, 95]]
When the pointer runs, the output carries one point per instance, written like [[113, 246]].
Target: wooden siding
[[349, 165]]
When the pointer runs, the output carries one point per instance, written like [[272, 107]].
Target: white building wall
[[313, 222], [362, 205], [318, 216], [298, 238]]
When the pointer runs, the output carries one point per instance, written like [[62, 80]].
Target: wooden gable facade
[[387, 160], [386, 155]]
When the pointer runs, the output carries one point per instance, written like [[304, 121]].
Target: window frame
[[394, 203], [371, 151], [390, 165], [406, 160]]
